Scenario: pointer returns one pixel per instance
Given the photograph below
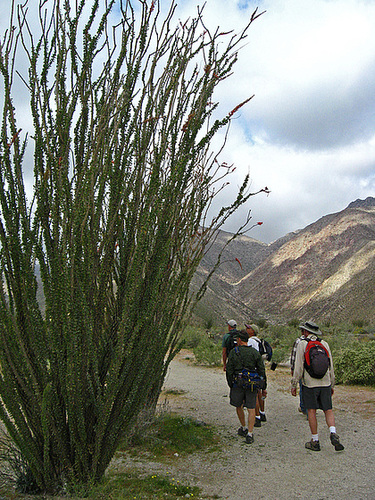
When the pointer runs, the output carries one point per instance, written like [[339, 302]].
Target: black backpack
[[247, 379], [265, 348], [232, 342], [316, 361]]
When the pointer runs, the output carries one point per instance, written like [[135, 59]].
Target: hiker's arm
[[229, 372], [298, 366], [261, 369], [225, 358], [331, 369]]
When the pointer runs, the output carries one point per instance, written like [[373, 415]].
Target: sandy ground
[[276, 466]]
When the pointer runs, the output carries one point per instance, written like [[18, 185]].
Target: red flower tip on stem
[[239, 262], [231, 113], [259, 223]]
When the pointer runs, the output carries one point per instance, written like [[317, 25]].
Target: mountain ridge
[[324, 271]]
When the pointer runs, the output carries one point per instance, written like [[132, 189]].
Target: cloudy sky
[[309, 133]]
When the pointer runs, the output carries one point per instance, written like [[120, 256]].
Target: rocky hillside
[[325, 271], [239, 258]]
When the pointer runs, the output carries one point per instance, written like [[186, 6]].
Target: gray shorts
[[315, 398], [239, 397]]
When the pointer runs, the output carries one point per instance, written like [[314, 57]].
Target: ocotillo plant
[[122, 119]]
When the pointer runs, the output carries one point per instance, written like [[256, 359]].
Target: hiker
[[244, 356], [316, 392], [254, 341], [301, 407], [229, 340]]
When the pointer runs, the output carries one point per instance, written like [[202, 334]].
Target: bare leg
[[257, 405], [251, 419], [241, 415], [313, 423], [330, 418]]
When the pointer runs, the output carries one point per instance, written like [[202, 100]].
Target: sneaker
[[335, 440], [258, 423], [263, 417], [249, 439], [313, 445], [242, 432]]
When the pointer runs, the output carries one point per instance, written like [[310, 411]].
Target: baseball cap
[[253, 327]]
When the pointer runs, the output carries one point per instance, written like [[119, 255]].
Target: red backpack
[[316, 358]]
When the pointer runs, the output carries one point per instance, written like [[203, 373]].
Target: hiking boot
[[313, 445], [242, 432], [258, 423], [249, 439], [263, 417], [335, 440]]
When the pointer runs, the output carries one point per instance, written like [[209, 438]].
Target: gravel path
[[276, 466]]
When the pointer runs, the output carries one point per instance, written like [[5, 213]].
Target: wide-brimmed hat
[[253, 327], [310, 327], [232, 323]]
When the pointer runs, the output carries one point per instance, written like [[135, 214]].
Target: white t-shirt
[[254, 342]]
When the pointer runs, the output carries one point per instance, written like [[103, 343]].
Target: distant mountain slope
[[220, 302], [325, 271]]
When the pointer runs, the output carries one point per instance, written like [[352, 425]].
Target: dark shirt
[[252, 360]]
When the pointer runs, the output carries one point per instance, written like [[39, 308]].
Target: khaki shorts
[[245, 397]]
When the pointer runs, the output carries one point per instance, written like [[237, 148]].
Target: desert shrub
[[356, 364], [262, 323], [294, 322], [281, 338], [360, 323], [167, 434], [191, 338], [208, 352], [208, 323], [116, 146]]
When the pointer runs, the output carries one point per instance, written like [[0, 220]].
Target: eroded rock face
[[325, 271]]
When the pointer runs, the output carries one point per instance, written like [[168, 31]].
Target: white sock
[[332, 429], [244, 428], [262, 412], [315, 437], [249, 433], [257, 416]]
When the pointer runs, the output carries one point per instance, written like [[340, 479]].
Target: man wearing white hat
[[316, 392]]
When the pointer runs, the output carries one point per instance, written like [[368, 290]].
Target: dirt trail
[[276, 466]]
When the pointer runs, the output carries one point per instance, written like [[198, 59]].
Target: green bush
[[168, 434], [281, 338], [208, 352], [294, 322], [262, 323], [360, 323], [356, 364], [191, 338]]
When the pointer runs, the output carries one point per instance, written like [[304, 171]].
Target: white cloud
[[309, 132]]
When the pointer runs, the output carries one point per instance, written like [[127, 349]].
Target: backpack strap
[[237, 351], [310, 340]]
